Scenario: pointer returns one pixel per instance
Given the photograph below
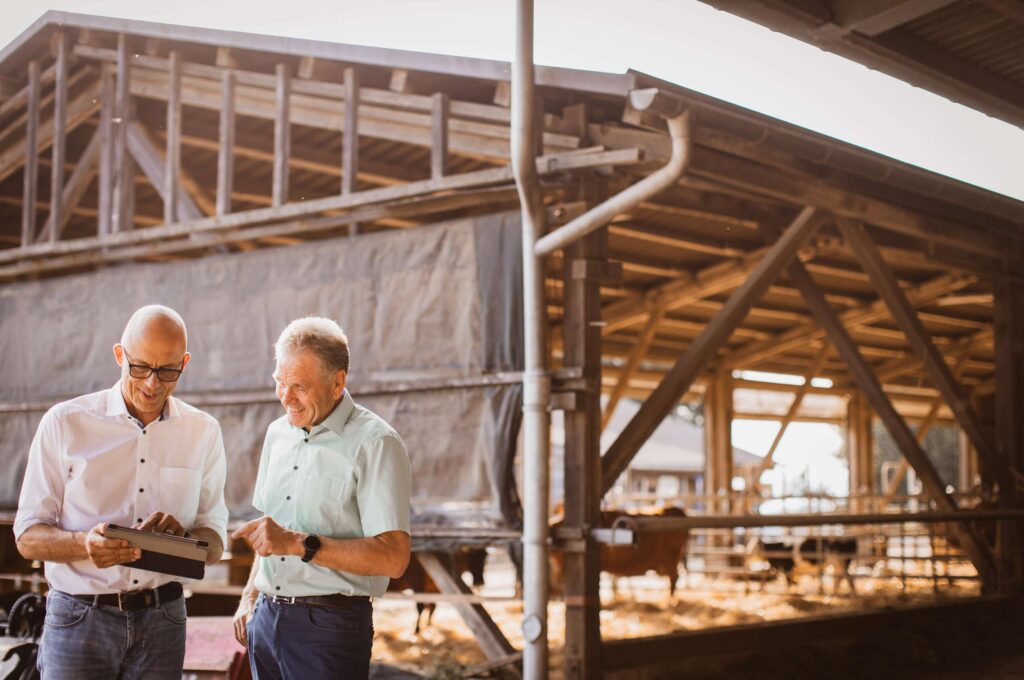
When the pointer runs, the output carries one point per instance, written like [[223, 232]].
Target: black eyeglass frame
[[161, 373]]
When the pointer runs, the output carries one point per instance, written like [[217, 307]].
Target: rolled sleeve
[[42, 490], [385, 486], [213, 512]]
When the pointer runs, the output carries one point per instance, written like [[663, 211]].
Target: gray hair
[[323, 337]]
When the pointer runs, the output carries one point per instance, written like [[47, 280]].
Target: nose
[[152, 382]]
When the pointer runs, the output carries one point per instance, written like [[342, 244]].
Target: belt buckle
[[124, 595], [279, 599]]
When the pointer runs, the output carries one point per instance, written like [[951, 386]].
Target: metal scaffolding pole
[[536, 381]]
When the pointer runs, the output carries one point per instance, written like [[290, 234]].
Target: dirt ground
[[642, 607]]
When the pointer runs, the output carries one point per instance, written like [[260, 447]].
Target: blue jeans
[[299, 642], [82, 642]]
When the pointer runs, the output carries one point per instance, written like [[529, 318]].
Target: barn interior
[[234, 174]]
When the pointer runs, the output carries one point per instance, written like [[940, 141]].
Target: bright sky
[[682, 41]]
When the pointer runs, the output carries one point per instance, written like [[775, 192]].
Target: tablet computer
[[164, 553]]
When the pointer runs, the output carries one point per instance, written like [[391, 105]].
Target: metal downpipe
[[629, 198], [536, 381]]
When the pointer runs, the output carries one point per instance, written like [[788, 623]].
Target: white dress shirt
[[92, 462]]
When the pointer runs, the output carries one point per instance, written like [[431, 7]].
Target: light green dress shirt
[[349, 477]]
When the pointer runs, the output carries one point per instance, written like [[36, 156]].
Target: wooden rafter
[[678, 380]]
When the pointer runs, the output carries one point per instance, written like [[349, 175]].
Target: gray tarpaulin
[[423, 304]]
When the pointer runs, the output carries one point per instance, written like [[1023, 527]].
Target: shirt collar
[[117, 407], [335, 422]]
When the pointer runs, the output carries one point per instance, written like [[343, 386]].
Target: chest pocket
[[323, 499], [179, 494]]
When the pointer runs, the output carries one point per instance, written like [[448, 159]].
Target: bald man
[[131, 455]]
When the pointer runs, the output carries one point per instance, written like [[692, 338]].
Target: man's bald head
[[155, 320]]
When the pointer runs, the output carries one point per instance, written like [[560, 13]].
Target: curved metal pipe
[[536, 381], [627, 199]]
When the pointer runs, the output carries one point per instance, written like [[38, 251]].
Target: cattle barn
[[502, 241]]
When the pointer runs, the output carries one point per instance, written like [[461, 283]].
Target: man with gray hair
[[129, 455], [333, 486]]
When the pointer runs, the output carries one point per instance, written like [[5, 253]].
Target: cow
[[660, 552], [819, 552], [416, 578]]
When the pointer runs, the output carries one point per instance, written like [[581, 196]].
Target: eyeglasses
[[142, 371]]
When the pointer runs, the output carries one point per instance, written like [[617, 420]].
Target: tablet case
[[164, 553]]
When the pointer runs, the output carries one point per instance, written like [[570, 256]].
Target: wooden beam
[[1009, 423], [60, 131], [350, 137], [20, 98], [874, 17], [865, 378], [546, 165], [106, 131], [794, 407], [684, 290], [75, 188], [582, 460], [636, 355], [226, 144], [490, 638], [282, 135], [152, 164], [439, 135], [859, 316], [919, 339], [678, 380], [172, 157], [31, 185], [122, 171]]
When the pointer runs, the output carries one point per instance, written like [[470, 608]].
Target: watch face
[[311, 542]]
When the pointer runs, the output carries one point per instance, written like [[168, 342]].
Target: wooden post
[[172, 158], [860, 444], [31, 190], [123, 189], [106, 132], [865, 378], [350, 138], [282, 136], [439, 135], [967, 470], [226, 143], [718, 439], [1009, 421], [75, 187], [679, 378], [60, 122], [583, 262]]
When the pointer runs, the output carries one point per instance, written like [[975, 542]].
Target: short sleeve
[[259, 495], [385, 486]]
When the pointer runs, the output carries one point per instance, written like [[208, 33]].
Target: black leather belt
[[134, 600], [336, 601]]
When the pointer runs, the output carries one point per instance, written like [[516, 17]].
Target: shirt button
[[295, 467], [277, 587], [135, 581], [142, 460], [141, 490], [143, 432], [287, 498], [138, 520], [306, 440], [282, 559]]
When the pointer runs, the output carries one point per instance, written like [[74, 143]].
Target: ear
[[184, 360], [339, 384], [119, 353]]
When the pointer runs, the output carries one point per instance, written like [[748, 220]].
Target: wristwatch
[[311, 543]]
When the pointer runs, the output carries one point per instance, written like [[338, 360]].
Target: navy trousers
[[299, 642]]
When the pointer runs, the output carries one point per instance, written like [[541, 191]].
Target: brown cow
[[660, 552], [418, 580]]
